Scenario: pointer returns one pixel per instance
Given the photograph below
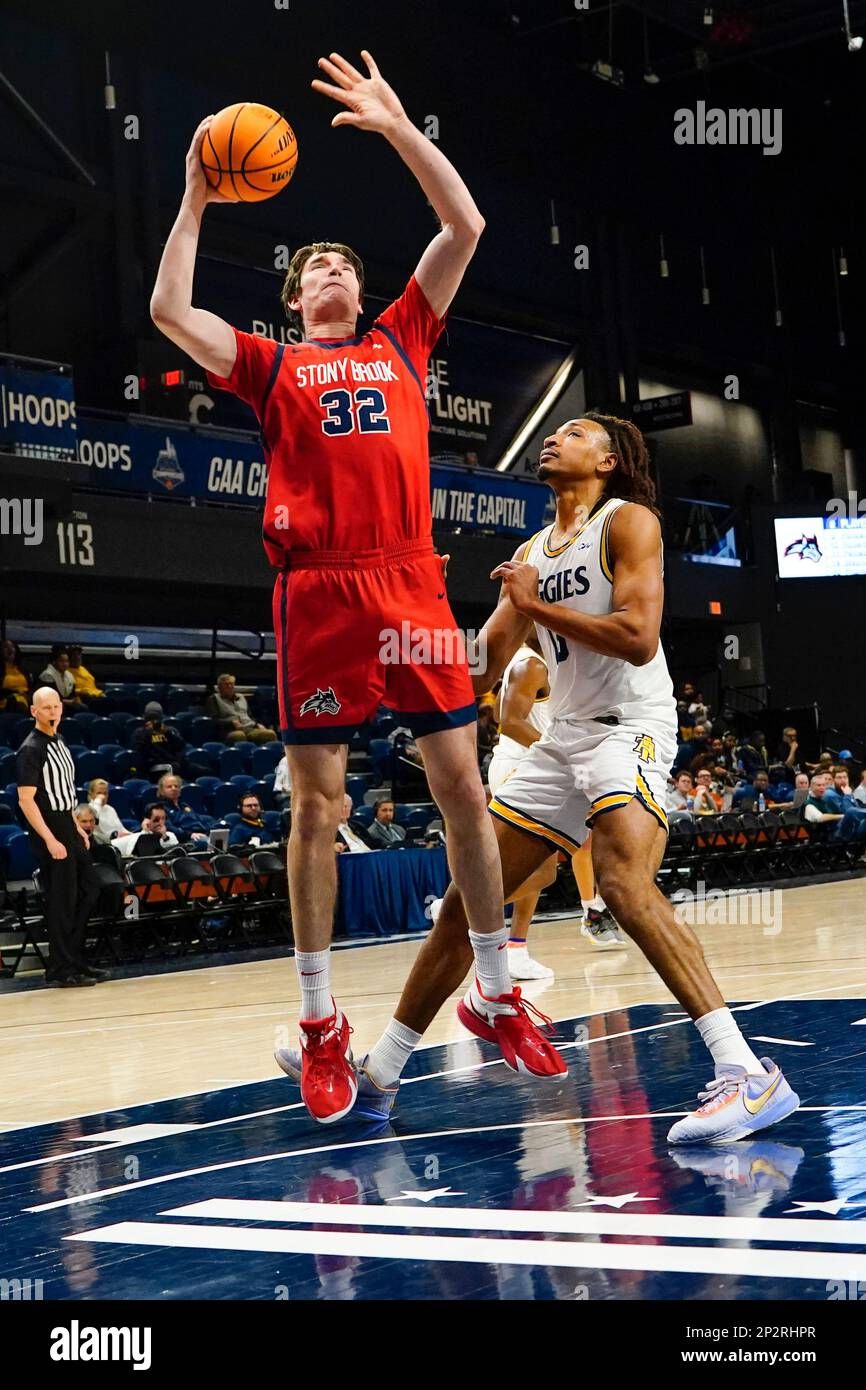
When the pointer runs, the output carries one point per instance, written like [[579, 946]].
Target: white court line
[[783, 1042], [690, 1259], [329, 1148], [429, 1076], [764, 1228]]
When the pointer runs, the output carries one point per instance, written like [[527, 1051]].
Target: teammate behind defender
[[348, 526]]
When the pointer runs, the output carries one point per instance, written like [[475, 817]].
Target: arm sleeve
[[811, 813], [251, 372], [414, 325], [28, 768]]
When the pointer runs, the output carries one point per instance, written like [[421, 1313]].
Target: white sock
[[314, 977], [387, 1059], [491, 961], [726, 1042], [597, 904]]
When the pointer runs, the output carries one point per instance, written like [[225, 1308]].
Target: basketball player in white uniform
[[591, 585]]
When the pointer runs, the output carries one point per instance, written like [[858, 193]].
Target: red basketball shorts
[[356, 631]]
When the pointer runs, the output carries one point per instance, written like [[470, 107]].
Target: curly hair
[[292, 283], [631, 477]]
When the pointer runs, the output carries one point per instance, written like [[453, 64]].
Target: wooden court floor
[[159, 1036]]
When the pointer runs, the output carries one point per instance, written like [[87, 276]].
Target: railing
[[833, 740], [745, 699]]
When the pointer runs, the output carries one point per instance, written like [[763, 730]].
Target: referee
[[46, 794]]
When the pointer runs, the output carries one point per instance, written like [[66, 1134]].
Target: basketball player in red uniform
[[348, 526]]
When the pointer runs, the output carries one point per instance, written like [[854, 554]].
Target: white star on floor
[[832, 1208], [617, 1202], [427, 1196]]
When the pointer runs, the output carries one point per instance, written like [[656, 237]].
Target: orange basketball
[[249, 153]]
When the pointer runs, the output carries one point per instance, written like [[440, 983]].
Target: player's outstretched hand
[[519, 582], [372, 104], [196, 183]]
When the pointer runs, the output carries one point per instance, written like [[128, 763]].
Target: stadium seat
[[7, 815], [225, 799], [100, 729], [12, 793], [123, 724], [232, 877], [210, 784], [234, 760], [356, 786], [242, 780], [92, 765], [274, 821], [77, 750], [264, 760], [202, 758], [264, 792], [83, 718], [192, 878], [202, 729], [110, 750], [195, 797], [20, 861], [121, 766], [380, 754], [214, 747], [7, 767], [364, 814], [120, 799], [20, 729]]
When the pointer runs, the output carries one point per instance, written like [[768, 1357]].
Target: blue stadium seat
[[12, 793], [202, 729], [21, 860], [414, 815], [77, 750], [203, 758], [7, 767], [100, 729], [121, 800], [214, 747], [136, 785], [195, 797], [121, 766], [7, 815], [275, 744], [234, 760], [110, 750], [8, 832], [264, 793], [21, 728], [210, 784], [242, 780], [123, 725], [381, 755], [146, 692], [264, 759], [92, 765], [357, 785], [274, 821], [230, 818], [364, 814], [225, 799]]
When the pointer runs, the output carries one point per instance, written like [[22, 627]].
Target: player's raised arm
[[498, 640], [207, 338], [631, 630], [373, 105]]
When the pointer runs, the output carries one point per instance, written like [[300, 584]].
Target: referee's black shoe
[[68, 981], [94, 973]]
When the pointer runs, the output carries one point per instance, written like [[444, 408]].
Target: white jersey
[[583, 684], [508, 749]]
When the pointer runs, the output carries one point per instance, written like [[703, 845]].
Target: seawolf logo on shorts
[[323, 702], [645, 747]]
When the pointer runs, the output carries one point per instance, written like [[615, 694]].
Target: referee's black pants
[[70, 888]]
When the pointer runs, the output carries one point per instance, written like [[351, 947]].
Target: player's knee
[[315, 815], [462, 796]]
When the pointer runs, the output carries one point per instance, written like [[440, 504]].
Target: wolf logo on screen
[[806, 547], [323, 702]]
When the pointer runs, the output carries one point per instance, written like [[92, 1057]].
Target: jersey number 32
[[347, 411]]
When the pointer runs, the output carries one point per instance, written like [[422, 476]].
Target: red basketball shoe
[[328, 1082], [523, 1045]]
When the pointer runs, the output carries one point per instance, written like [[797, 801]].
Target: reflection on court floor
[[486, 1185]]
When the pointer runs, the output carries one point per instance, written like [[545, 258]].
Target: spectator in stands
[[100, 851], [85, 685], [859, 793], [699, 712], [680, 796], [752, 754], [728, 756], [154, 837], [747, 797], [230, 711], [787, 752], [693, 748], [60, 678], [15, 682], [180, 817], [708, 800], [283, 785], [251, 829], [816, 809], [824, 764], [383, 830], [801, 788], [108, 822], [351, 834], [158, 747], [841, 782]]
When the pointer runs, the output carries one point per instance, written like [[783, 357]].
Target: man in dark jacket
[[157, 746]]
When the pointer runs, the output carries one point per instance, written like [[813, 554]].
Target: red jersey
[[344, 424]]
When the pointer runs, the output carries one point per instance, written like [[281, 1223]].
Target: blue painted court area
[[486, 1186]]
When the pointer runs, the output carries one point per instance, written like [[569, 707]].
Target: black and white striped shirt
[[46, 763]]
